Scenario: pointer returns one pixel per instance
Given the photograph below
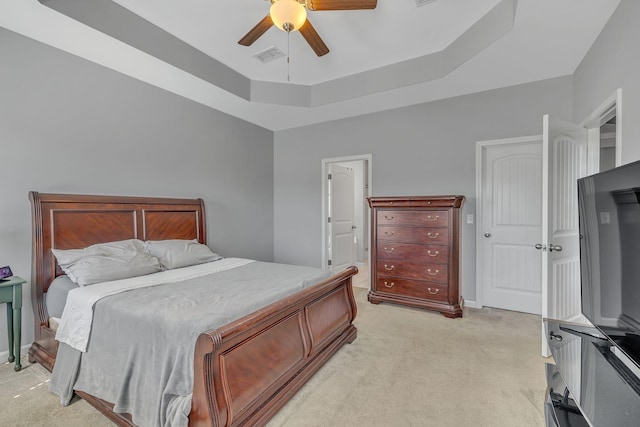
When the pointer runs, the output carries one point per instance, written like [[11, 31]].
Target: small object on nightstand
[[11, 294], [5, 272]]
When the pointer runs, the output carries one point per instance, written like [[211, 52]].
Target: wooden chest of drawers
[[415, 251]]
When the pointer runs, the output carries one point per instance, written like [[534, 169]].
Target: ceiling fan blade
[[255, 33], [313, 38], [341, 4]]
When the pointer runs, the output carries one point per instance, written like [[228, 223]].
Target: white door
[[511, 225], [341, 217], [564, 148]]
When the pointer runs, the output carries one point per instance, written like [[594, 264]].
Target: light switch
[[605, 218], [469, 218]]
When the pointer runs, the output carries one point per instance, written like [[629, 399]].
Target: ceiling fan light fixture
[[288, 15]]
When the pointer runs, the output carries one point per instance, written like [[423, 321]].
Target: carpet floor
[[408, 367]]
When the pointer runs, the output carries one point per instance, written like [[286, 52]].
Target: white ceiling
[[358, 40], [389, 57]]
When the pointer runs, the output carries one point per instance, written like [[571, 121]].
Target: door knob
[[487, 234], [556, 337], [539, 246], [553, 247]]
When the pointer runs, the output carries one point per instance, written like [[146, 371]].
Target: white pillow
[[107, 261], [180, 253]]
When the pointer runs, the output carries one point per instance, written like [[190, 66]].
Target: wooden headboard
[[72, 221]]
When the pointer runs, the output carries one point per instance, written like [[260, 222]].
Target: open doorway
[[604, 127], [346, 184], [608, 145]]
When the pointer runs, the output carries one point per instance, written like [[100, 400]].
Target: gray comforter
[[140, 352]]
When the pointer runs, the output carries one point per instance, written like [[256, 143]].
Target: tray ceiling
[[395, 55]]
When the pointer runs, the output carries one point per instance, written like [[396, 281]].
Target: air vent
[[269, 54], [421, 3]]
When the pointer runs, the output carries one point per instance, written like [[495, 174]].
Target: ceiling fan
[[291, 15]]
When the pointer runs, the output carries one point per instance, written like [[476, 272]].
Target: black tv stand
[[589, 385]]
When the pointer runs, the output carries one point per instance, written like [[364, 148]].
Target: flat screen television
[[609, 212]]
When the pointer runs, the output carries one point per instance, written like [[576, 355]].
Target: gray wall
[[614, 62], [70, 126], [418, 150], [67, 125]]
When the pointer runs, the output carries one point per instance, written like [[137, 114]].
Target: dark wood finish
[[244, 372], [414, 288], [313, 38], [390, 250], [341, 4], [253, 366], [414, 234], [65, 221], [415, 254], [436, 218], [413, 270], [256, 32]]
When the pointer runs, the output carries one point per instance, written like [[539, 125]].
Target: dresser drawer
[[411, 252], [413, 217], [432, 235], [393, 203], [414, 288], [397, 234], [395, 217], [413, 270], [438, 236]]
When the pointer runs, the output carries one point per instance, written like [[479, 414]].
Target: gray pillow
[[180, 253], [56, 296], [107, 261]]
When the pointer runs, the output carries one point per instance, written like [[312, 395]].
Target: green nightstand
[[11, 293]]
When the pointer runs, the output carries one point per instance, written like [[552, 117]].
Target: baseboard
[[470, 304]]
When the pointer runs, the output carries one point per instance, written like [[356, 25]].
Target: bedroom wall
[[614, 62], [418, 150], [70, 126]]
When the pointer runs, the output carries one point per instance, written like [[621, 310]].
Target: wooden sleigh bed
[[245, 371]]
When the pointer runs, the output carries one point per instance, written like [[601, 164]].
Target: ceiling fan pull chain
[[288, 57]]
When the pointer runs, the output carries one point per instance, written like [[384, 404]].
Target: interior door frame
[[612, 106], [480, 147], [325, 171]]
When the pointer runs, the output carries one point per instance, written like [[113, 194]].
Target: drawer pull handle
[[386, 284], [432, 291], [433, 218], [433, 273], [433, 254], [433, 235], [388, 233], [388, 250], [388, 217], [386, 267]]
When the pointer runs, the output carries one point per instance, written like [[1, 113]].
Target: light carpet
[[408, 367]]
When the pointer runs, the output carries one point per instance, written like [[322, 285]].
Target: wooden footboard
[[247, 370]]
